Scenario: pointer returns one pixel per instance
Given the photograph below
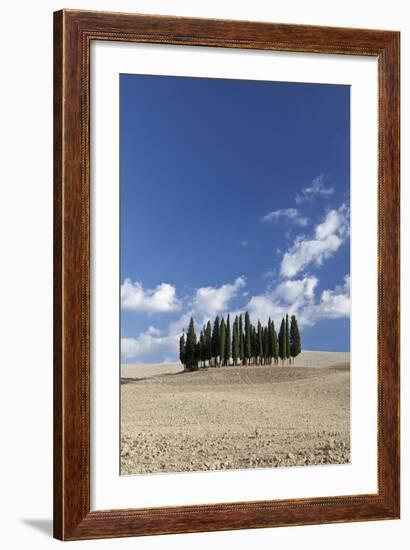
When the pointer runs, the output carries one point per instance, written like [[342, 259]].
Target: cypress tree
[[198, 353], [295, 342], [222, 341], [228, 342], [282, 341], [249, 361], [267, 358], [202, 341], [254, 345], [235, 341], [259, 341], [208, 343], [271, 328], [238, 341], [241, 341], [216, 340], [287, 338], [190, 347], [275, 346], [182, 348], [248, 339]]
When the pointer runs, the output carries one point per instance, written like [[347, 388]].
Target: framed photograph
[[226, 275]]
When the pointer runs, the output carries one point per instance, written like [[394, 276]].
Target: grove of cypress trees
[[295, 342], [249, 345]]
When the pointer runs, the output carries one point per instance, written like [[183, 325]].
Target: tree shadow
[[130, 380], [45, 526]]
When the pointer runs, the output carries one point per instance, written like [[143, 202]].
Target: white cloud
[[287, 213], [333, 304], [209, 301], [328, 237], [148, 343], [287, 297], [295, 291], [176, 327], [315, 188], [304, 252], [129, 348], [152, 331], [161, 299], [298, 297], [335, 222], [263, 306]]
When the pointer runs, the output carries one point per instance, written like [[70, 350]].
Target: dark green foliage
[[270, 343], [235, 341], [246, 344], [241, 341], [287, 338], [191, 360], [202, 341], [254, 345], [259, 344], [222, 342], [182, 348], [295, 341], [275, 346], [266, 346], [248, 339], [198, 352], [228, 342], [282, 341], [216, 338], [208, 342]]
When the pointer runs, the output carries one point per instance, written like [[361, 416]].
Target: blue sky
[[234, 196]]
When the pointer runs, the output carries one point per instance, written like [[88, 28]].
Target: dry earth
[[235, 417]]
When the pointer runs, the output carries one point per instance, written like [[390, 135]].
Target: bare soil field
[[235, 417]]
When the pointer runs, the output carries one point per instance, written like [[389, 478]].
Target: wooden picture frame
[[73, 33]]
